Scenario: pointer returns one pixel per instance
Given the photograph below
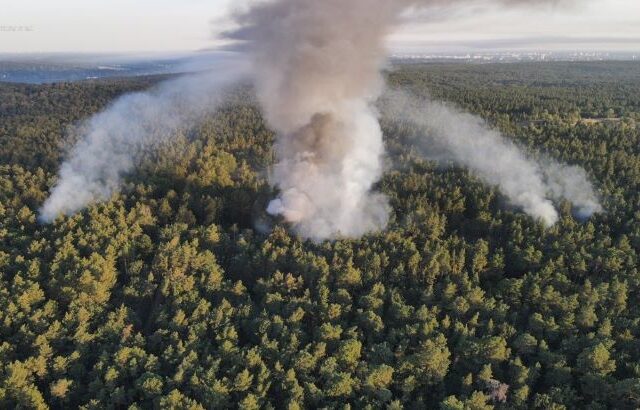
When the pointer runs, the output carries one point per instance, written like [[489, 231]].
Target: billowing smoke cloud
[[316, 66], [446, 133], [572, 184], [317, 71], [113, 139]]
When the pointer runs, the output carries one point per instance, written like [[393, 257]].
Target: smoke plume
[[572, 184], [316, 67], [317, 72], [113, 139], [448, 134]]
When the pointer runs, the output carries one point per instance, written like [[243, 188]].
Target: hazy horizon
[[172, 27]]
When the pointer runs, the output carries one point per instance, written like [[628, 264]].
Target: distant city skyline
[[163, 26]]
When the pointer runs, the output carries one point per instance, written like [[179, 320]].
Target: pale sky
[[101, 26]]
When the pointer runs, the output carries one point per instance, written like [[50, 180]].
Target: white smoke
[[446, 133], [316, 67], [572, 183], [325, 192], [134, 123], [317, 72]]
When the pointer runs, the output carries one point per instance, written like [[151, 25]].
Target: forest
[[182, 293]]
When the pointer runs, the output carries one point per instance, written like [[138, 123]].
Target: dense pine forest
[[181, 293]]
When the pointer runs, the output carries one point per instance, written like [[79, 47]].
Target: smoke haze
[[316, 66], [134, 123], [572, 184], [317, 72], [448, 134]]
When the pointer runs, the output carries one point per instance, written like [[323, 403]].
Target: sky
[[167, 26]]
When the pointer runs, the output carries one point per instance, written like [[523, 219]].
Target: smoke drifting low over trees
[[112, 141], [167, 296], [316, 68], [446, 134]]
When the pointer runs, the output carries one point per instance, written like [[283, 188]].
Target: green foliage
[[181, 293]]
